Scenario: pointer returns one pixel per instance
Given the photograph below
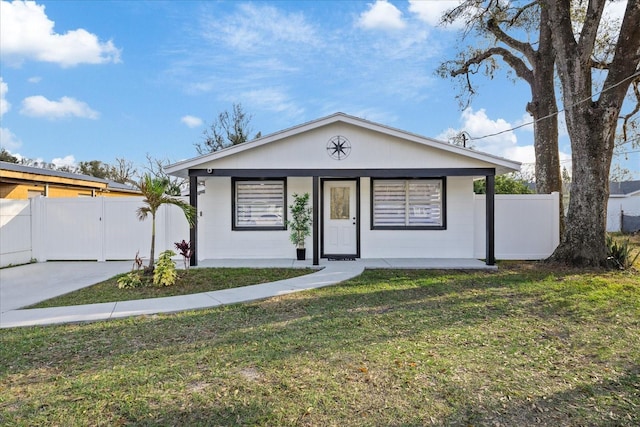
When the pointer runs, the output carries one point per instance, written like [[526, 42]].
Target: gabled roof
[[624, 189], [502, 165]]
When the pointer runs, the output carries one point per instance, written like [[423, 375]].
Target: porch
[[357, 264]]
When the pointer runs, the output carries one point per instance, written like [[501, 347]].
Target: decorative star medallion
[[338, 147]]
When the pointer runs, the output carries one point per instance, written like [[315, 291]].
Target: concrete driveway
[[28, 284]]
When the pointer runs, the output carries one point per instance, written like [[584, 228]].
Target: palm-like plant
[[154, 191]]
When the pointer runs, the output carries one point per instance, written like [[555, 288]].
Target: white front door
[[340, 222]]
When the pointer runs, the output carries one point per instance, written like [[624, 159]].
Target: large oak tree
[[592, 116], [503, 25]]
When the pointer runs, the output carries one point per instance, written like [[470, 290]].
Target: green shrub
[[619, 253], [130, 280], [165, 273]]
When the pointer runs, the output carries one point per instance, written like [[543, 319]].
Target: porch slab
[[371, 263]]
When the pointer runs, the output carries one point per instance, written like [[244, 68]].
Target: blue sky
[[100, 80]]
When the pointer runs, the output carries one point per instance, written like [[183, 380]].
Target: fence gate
[[73, 228]]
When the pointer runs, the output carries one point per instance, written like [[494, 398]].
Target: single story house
[[623, 207], [24, 182], [376, 192]]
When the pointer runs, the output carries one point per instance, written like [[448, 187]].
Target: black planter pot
[[301, 253]]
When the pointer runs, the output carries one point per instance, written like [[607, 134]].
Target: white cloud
[[478, 125], [4, 104], [255, 27], [524, 123], [34, 79], [431, 11], [8, 140], [69, 160], [382, 15], [27, 33], [191, 121], [273, 99], [39, 106]]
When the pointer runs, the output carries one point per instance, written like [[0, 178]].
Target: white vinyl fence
[[527, 226], [15, 232], [107, 228], [620, 207], [91, 228]]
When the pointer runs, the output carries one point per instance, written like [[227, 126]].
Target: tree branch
[[520, 11], [626, 59], [524, 48], [516, 63], [589, 32], [627, 117]]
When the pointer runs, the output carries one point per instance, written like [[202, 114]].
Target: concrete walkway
[[28, 284]]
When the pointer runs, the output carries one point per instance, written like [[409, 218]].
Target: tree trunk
[[153, 241], [583, 242], [543, 108]]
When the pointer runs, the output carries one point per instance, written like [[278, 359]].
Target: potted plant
[[300, 223]]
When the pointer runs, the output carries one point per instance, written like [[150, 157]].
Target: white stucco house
[[376, 192]]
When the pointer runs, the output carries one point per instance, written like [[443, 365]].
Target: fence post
[[38, 224], [621, 220], [102, 232], [555, 232]]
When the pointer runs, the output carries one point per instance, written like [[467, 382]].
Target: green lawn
[[193, 281], [521, 346]]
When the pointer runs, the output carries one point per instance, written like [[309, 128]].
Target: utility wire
[[475, 138]]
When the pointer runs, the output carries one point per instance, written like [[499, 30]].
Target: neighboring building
[[24, 182], [624, 199], [376, 192]]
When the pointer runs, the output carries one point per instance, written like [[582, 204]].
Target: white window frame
[[408, 204], [254, 211]]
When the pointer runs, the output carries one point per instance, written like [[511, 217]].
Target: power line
[[634, 75], [569, 160]]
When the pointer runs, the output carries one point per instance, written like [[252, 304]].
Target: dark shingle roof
[[50, 172], [623, 188]]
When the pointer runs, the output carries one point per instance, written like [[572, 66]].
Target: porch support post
[[193, 232], [316, 207], [490, 208]]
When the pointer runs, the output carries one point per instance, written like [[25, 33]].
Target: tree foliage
[[154, 192], [229, 128], [123, 171], [504, 184], [6, 156], [174, 185]]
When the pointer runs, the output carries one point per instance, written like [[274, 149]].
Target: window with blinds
[[259, 204], [408, 203]]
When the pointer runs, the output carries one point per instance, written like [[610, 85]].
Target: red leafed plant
[[184, 248]]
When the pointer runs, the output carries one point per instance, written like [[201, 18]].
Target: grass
[[525, 345], [192, 281]]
